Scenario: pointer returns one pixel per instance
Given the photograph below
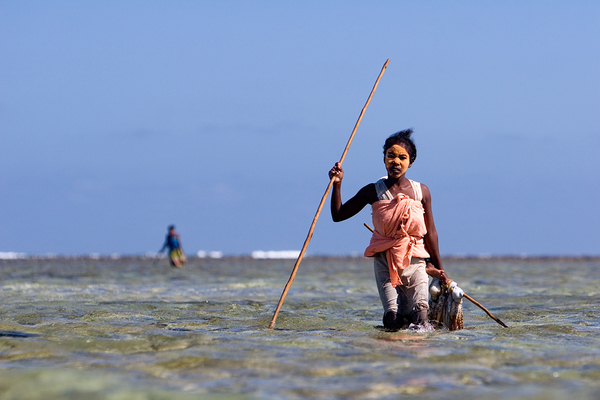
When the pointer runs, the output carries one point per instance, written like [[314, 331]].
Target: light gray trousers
[[405, 299]]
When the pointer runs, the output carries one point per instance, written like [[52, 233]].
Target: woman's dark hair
[[403, 139]]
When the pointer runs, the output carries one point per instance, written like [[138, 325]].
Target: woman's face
[[397, 161]]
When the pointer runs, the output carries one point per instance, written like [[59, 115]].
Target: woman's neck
[[400, 185]]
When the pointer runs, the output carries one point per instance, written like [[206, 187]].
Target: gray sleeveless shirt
[[383, 192]]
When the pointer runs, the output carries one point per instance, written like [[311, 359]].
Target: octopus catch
[[445, 304]]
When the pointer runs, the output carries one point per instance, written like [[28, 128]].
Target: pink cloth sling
[[399, 227]]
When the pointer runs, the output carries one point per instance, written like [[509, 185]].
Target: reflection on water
[[135, 328]]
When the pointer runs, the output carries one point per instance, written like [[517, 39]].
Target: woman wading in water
[[404, 240]]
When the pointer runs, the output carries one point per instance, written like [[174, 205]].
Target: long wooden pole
[[486, 310], [472, 300], [312, 227]]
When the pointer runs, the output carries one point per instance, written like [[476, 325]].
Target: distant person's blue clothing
[[176, 254], [171, 242]]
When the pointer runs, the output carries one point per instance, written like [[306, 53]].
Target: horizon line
[[279, 255]]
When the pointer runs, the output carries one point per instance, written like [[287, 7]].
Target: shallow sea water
[[135, 328]]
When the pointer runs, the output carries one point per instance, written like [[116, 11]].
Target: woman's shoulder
[[368, 193], [425, 194], [413, 182], [423, 186]]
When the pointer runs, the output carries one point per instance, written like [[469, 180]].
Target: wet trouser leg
[[414, 293], [408, 300], [387, 292]]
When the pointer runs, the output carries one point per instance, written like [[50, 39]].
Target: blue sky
[[118, 118]]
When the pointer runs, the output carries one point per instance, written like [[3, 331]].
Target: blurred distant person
[[173, 243]]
